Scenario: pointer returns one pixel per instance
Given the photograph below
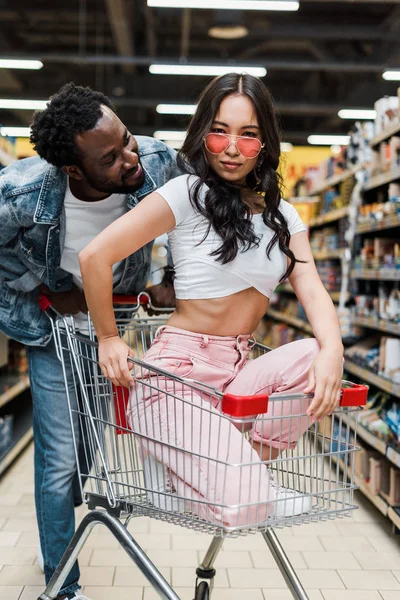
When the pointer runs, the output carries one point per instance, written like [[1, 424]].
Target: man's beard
[[108, 187]]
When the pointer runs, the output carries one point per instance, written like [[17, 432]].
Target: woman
[[232, 240]]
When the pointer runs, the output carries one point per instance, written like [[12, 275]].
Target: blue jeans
[[56, 483]]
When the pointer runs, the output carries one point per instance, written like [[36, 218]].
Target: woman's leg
[[280, 372]]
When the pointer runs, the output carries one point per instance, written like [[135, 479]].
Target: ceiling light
[[169, 135], [6, 63], [23, 104], [228, 4], [335, 149], [391, 75], [15, 131], [228, 32], [328, 140], [286, 147], [209, 70], [349, 113], [176, 109]]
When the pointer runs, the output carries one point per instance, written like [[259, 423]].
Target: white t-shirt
[[85, 220], [200, 275]]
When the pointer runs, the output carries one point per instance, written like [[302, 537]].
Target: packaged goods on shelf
[[383, 306], [331, 237], [387, 112], [390, 483], [379, 355], [17, 360], [330, 274], [379, 253]]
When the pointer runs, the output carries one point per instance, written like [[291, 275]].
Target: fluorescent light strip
[[170, 135], [228, 4], [209, 70], [328, 140], [391, 75], [350, 113], [15, 131], [23, 104], [6, 63], [176, 109]]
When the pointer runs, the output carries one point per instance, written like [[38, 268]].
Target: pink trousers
[[210, 462]]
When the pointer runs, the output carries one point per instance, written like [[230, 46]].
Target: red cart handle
[[247, 406], [356, 395]]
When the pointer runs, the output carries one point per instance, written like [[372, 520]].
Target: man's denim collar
[[55, 183]]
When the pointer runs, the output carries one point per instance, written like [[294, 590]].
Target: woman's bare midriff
[[227, 316]]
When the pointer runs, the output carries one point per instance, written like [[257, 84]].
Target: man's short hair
[[72, 110]]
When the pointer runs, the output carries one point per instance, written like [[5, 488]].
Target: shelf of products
[[330, 217], [22, 435], [379, 324], [335, 180], [382, 179], [384, 135], [369, 377], [382, 274], [327, 254], [388, 222], [287, 288], [289, 320], [11, 386]]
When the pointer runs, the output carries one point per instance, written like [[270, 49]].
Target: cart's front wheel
[[202, 591]]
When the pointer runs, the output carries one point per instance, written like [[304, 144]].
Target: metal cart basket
[[123, 473]]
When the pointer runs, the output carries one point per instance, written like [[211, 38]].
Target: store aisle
[[351, 559]]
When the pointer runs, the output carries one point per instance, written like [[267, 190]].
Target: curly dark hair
[[222, 206], [72, 110]]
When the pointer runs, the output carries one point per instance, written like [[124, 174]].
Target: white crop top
[[199, 275]]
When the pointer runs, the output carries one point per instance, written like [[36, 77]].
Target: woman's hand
[[113, 359], [325, 380]]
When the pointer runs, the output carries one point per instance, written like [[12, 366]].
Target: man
[[91, 170]]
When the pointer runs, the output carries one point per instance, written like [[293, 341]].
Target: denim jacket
[[32, 233]]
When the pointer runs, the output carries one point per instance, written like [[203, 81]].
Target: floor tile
[[387, 543], [184, 593], [231, 559], [109, 557], [191, 542], [321, 528], [97, 576], [10, 592], [10, 499], [132, 577], [331, 560], [378, 561], [177, 558], [386, 595], [9, 575], [351, 595], [31, 592], [17, 556], [311, 543], [265, 560], [287, 595], [363, 529], [114, 593], [349, 544], [9, 538], [364, 580], [256, 578], [321, 578], [19, 524]]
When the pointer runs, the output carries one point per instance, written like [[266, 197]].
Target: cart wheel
[[202, 591]]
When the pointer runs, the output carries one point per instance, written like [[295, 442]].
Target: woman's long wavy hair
[[223, 208]]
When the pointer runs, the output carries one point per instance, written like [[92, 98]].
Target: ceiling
[[326, 56]]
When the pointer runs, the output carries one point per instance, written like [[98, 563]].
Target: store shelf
[[378, 324], [385, 134], [394, 516], [382, 179], [369, 438], [12, 386], [335, 180], [22, 435], [385, 223], [368, 377], [289, 320], [381, 274], [333, 215], [287, 289], [327, 254]]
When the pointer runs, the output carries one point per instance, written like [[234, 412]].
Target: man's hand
[[162, 295], [66, 303]]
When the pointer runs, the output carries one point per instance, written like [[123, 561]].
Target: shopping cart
[[121, 480]]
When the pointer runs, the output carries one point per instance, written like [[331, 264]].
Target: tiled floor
[[352, 559]]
